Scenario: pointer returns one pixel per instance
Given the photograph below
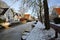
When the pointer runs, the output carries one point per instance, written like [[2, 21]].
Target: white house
[[8, 15]]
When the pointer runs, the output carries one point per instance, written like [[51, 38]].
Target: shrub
[[1, 20], [57, 20]]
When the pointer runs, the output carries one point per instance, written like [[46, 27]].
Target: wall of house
[[3, 5], [9, 15], [26, 16], [54, 14]]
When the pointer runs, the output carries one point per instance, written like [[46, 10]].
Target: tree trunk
[[40, 5], [46, 15], [38, 15]]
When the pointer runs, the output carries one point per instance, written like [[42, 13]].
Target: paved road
[[16, 32]]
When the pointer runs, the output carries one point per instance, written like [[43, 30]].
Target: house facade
[[8, 14], [55, 13]]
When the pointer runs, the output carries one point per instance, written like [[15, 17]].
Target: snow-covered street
[[16, 32], [37, 33]]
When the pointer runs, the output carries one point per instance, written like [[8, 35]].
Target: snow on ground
[[39, 25], [39, 34]]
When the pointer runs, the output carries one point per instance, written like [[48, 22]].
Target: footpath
[[38, 33]]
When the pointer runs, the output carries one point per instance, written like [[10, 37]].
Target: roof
[[3, 11], [26, 14], [57, 10]]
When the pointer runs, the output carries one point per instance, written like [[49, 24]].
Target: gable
[[3, 10]]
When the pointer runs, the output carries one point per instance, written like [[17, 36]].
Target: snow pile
[[39, 34], [39, 25]]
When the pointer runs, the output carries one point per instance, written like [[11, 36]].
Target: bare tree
[[35, 5], [40, 5]]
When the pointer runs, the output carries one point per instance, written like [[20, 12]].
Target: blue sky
[[17, 3], [13, 4], [53, 2]]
